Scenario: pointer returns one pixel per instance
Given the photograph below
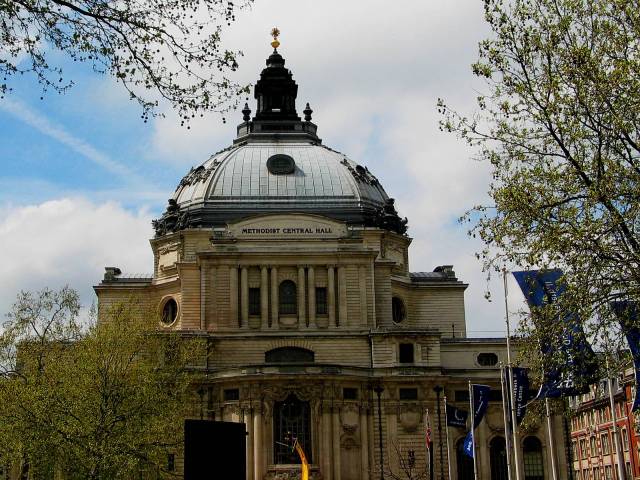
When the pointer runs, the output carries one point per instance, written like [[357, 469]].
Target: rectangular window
[[231, 394], [604, 442], [254, 301], [408, 394], [171, 462], [607, 472], [592, 445], [321, 301], [625, 439], [406, 353], [350, 393], [574, 446]]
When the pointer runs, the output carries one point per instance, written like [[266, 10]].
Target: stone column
[[391, 460], [248, 421], [212, 302], [233, 296], [264, 297], [335, 416], [364, 443], [326, 443], [342, 297], [257, 443], [312, 297], [274, 297], [362, 281], [244, 296], [302, 317], [331, 296], [203, 314]]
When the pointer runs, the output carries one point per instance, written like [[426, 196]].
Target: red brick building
[[593, 442]]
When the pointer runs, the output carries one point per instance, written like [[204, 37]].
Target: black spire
[[276, 114], [276, 91]]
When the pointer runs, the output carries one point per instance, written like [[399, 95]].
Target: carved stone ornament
[[292, 473], [198, 174], [172, 220], [387, 218], [349, 417], [168, 247], [410, 417], [280, 392]]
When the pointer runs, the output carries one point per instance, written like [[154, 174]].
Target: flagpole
[[514, 424], [473, 435], [446, 427], [505, 416], [616, 437], [552, 447]]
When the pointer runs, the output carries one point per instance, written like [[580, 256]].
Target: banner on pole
[[627, 313], [579, 365], [520, 392], [456, 417], [480, 402], [467, 446]]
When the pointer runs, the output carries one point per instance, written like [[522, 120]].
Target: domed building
[[292, 261]]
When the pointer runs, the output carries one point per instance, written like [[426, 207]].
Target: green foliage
[[157, 49], [98, 401], [559, 126]]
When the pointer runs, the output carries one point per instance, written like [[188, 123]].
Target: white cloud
[[69, 241]]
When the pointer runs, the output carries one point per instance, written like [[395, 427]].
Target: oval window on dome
[[281, 164]]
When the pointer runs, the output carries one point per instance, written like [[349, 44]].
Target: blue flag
[[627, 313], [467, 446], [480, 402], [480, 395], [579, 368], [456, 417]]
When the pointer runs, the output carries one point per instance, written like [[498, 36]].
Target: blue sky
[[82, 175]]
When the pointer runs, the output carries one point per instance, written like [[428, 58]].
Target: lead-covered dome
[[278, 165]]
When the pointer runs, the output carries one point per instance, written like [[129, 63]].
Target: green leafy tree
[[105, 400], [559, 126], [156, 49]]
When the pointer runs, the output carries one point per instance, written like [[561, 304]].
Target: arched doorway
[[532, 459], [291, 420], [464, 463], [498, 459]]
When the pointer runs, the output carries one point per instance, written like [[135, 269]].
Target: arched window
[[532, 459], [289, 355], [498, 459], [291, 421], [288, 298], [464, 463]]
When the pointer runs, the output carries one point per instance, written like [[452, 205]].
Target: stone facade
[[292, 261]]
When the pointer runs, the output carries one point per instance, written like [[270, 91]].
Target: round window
[[280, 164], [398, 311], [487, 359], [169, 312]]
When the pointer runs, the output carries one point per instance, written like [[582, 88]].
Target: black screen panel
[[214, 450]]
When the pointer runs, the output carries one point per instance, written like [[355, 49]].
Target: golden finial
[[275, 33]]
